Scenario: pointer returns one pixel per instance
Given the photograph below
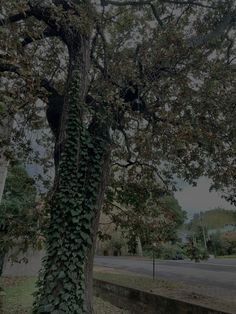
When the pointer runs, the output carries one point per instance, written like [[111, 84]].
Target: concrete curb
[[140, 302]]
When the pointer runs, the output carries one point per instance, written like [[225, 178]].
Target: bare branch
[[102, 35], [228, 52], [16, 17], [117, 206], [64, 3], [157, 17], [156, 170], [125, 3], [188, 2], [8, 67], [127, 144], [150, 2]]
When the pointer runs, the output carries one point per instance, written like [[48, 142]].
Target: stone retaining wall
[[141, 302]]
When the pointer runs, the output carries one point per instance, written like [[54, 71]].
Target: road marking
[[169, 261]]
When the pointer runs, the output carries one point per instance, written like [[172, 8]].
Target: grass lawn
[[18, 294], [19, 297], [135, 281], [180, 291], [226, 256], [19, 291]]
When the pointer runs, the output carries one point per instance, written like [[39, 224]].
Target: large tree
[[140, 85]]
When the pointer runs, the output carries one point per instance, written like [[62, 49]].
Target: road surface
[[216, 277]]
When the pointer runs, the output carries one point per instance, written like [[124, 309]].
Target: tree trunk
[[81, 159], [5, 134], [6, 125], [91, 251], [3, 173], [139, 247]]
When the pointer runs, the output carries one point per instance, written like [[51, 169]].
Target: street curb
[[138, 302]]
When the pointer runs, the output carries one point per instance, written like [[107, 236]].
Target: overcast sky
[[196, 199]]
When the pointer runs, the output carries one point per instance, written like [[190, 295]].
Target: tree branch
[[47, 14], [188, 2], [64, 3], [117, 206], [48, 32], [127, 144], [45, 83], [102, 35], [156, 15], [150, 2], [16, 18], [8, 67], [125, 3], [52, 90], [228, 51], [223, 27]]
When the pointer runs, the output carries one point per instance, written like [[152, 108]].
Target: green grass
[[19, 297], [226, 256], [134, 281], [18, 291]]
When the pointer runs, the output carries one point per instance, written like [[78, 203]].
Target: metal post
[[153, 265]]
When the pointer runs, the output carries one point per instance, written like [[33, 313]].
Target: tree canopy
[[177, 56]]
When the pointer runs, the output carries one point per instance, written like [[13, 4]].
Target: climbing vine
[[73, 207]]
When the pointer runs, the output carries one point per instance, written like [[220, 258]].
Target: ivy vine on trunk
[[75, 204]]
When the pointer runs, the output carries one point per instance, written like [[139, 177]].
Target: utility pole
[[203, 231]]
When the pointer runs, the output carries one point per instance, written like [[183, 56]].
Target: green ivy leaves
[[61, 286]]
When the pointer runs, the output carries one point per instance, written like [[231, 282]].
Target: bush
[[166, 251], [195, 252], [222, 244]]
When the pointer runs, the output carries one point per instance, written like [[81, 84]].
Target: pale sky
[[196, 199]]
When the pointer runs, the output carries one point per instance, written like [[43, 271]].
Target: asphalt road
[[216, 277]]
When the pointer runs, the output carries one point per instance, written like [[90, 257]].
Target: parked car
[[178, 256]]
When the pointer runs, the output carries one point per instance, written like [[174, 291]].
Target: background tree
[[195, 251], [144, 210], [215, 218], [140, 85], [21, 220]]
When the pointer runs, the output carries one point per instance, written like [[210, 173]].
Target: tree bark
[[5, 134], [139, 247], [91, 251], [3, 173], [82, 155]]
